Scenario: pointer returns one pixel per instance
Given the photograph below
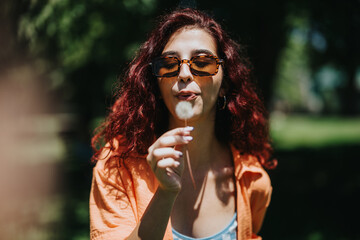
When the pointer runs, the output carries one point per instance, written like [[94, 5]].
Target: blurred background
[[59, 61]]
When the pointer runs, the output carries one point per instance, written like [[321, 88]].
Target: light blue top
[[228, 233]]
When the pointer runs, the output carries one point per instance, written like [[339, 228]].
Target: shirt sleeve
[[111, 209], [261, 190]]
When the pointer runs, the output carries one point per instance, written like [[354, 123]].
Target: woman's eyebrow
[[199, 51], [164, 54]]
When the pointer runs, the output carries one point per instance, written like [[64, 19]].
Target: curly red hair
[[140, 116]]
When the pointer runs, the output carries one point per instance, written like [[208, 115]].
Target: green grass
[[296, 131]]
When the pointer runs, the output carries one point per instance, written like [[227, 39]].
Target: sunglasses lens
[[204, 66], [166, 67]]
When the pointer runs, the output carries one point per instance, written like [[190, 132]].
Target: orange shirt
[[120, 194]]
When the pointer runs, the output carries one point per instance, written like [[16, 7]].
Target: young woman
[[142, 186]]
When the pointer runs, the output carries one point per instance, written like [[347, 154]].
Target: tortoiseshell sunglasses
[[202, 65]]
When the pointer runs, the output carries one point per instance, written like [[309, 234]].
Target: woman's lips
[[187, 96]]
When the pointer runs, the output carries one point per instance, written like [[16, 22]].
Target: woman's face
[[201, 91]]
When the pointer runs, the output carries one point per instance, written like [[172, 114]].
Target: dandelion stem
[[188, 161]]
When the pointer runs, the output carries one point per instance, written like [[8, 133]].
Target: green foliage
[[76, 34], [292, 85], [66, 30]]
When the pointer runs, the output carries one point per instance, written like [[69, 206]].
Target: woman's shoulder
[[262, 182], [114, 160], [248, 168]]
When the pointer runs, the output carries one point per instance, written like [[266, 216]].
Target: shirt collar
[[245, 163]]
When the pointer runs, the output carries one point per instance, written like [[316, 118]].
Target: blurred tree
[[330, 33], [335, 38], [10, 12], [293, 79]]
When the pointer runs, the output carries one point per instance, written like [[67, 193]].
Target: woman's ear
[[222, 92], [224, 88]]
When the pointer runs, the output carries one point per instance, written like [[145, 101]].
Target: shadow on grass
[[314, 194]]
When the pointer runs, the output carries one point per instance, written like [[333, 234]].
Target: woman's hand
[[165, 159]]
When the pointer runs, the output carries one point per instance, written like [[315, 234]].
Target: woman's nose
[[185, 73]]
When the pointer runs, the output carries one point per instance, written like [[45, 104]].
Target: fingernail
[[188, 138], [177, 164], [180, 154], [189, 128]]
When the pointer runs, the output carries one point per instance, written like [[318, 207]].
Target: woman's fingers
[[167, 163], [168, 141], [179, 131], [160, 153], [164, 158], [163, 153], [177, 136]]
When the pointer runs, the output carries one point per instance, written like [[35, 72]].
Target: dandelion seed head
[[184, 110]]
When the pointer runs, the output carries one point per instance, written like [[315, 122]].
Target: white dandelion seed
[[184, 110]]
